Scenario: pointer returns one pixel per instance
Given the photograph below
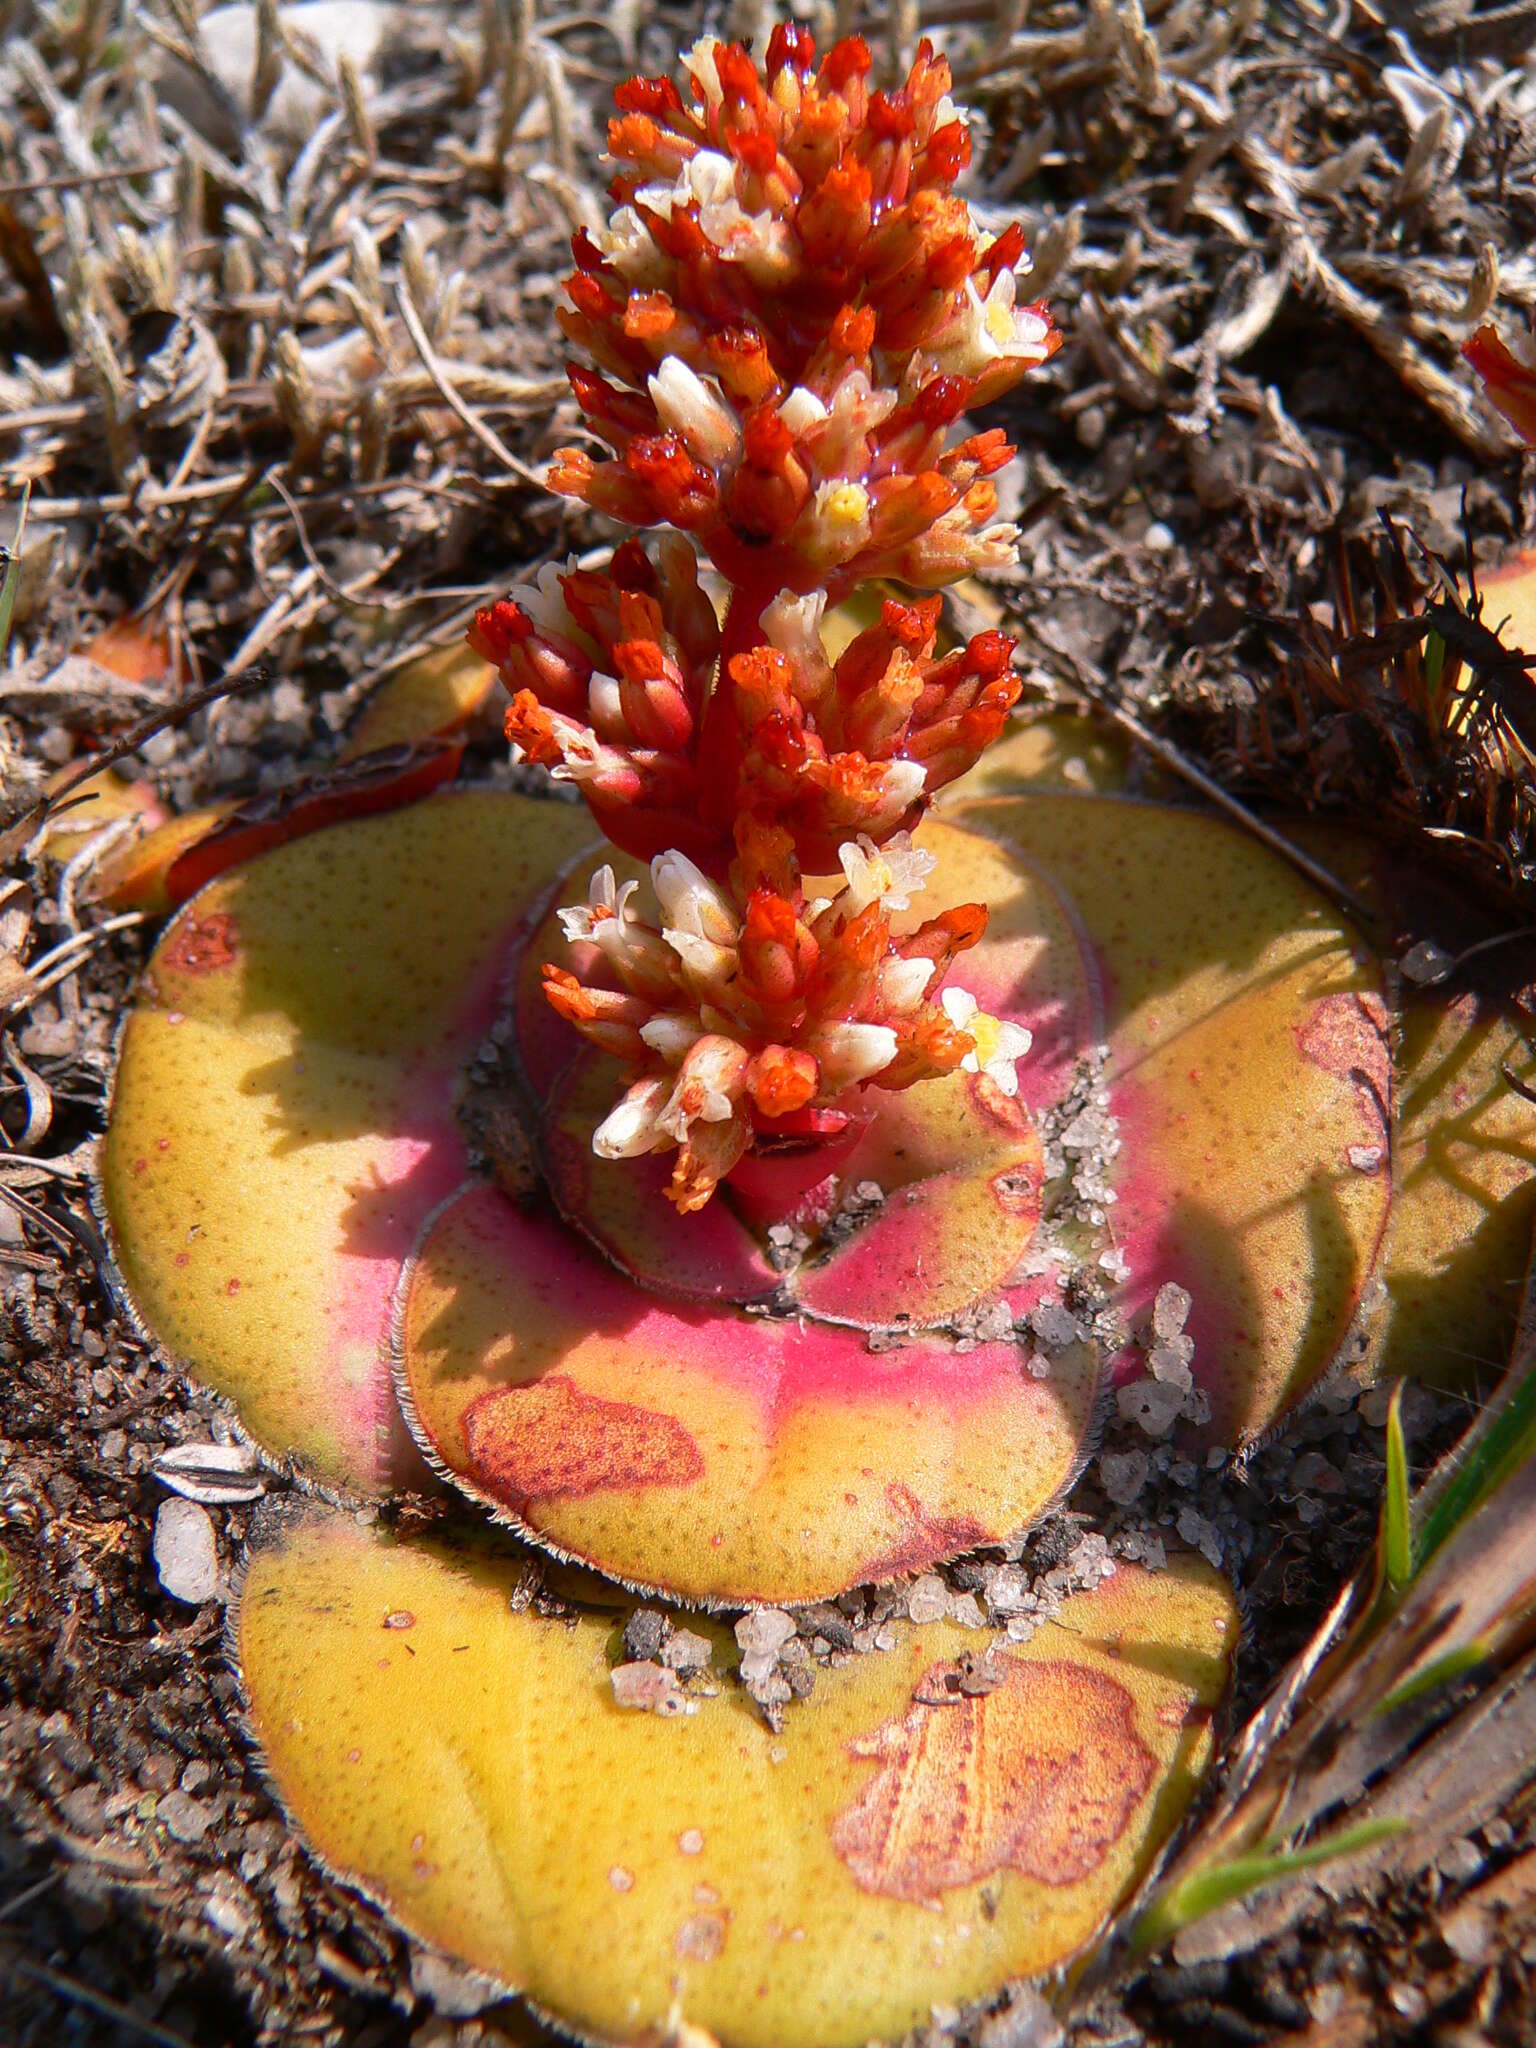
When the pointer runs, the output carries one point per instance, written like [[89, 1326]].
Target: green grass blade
[[1204, 1891], [13, 573], [1438, 1671], [1396, 1521], [1496, 1445]]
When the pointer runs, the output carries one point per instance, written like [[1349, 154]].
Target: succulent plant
[[769, 1203]]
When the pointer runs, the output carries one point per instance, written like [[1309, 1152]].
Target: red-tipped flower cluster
[[610, 672], [794, 309], [1509, 379], [792, 312]]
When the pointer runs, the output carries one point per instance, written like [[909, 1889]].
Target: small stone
[[185, 1551], [186, 1818], [229, 1915], [764, 1630], [1005, 1591], [684, 1651], [1460, 1860], [1123, 1475], [1197, 1408], [648, 1688], [1026, 2021], [1409, 2001], [1426, 964], [157, 1773], [449, 1987], [966, 1610], [114, 1447], [1054, 1327], [1375, 1402], [1150, 1404], [218, 1474], [84, 1810], [927, 1598], [643, 1634], [1468, 1934], [1201, 1535], [1169, 1363], [196, 1775], [1170, 1311], [1313, 1473]]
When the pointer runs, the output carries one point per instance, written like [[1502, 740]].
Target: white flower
[[893, 873], [672, 1033], [994, 326], [628, 245], [850, 1052], [632, 1126], [903, 983], [801, 410], [902, 782], [838, 518], [699, 63], [690, 901], [707, 1086], [695, 410], [544, 601], [792, 624], [604, 901], [997, 1044], [605, 708], [707, 965]]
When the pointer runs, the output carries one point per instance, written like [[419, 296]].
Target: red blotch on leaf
[[548, 1439], [1040, 1776], [203, 944], [1348, 1037], [924, 1537]]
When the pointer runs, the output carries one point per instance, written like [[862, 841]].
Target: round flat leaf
[[1509, 600], [1464, 1196], [436, 694], [899, 1843], [284, 1111], [960, 1166], [621, 1204], [1059, 752], [1466, 1192], [1250, 1072], [709, 1453]]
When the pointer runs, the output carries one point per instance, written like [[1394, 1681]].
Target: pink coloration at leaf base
[[284, 1115], [822, 1464], [943, 1238]]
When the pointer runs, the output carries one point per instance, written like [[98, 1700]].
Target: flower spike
[[791, 313]]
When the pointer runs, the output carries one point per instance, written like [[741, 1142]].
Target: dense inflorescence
[[792, 312]]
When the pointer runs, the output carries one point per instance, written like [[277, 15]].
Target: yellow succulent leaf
[[899, 1843], [283, 1116], [717, 1455], [1250, 1072], [435, 694], [1509, 599], [133, 876], [1058, 751]]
